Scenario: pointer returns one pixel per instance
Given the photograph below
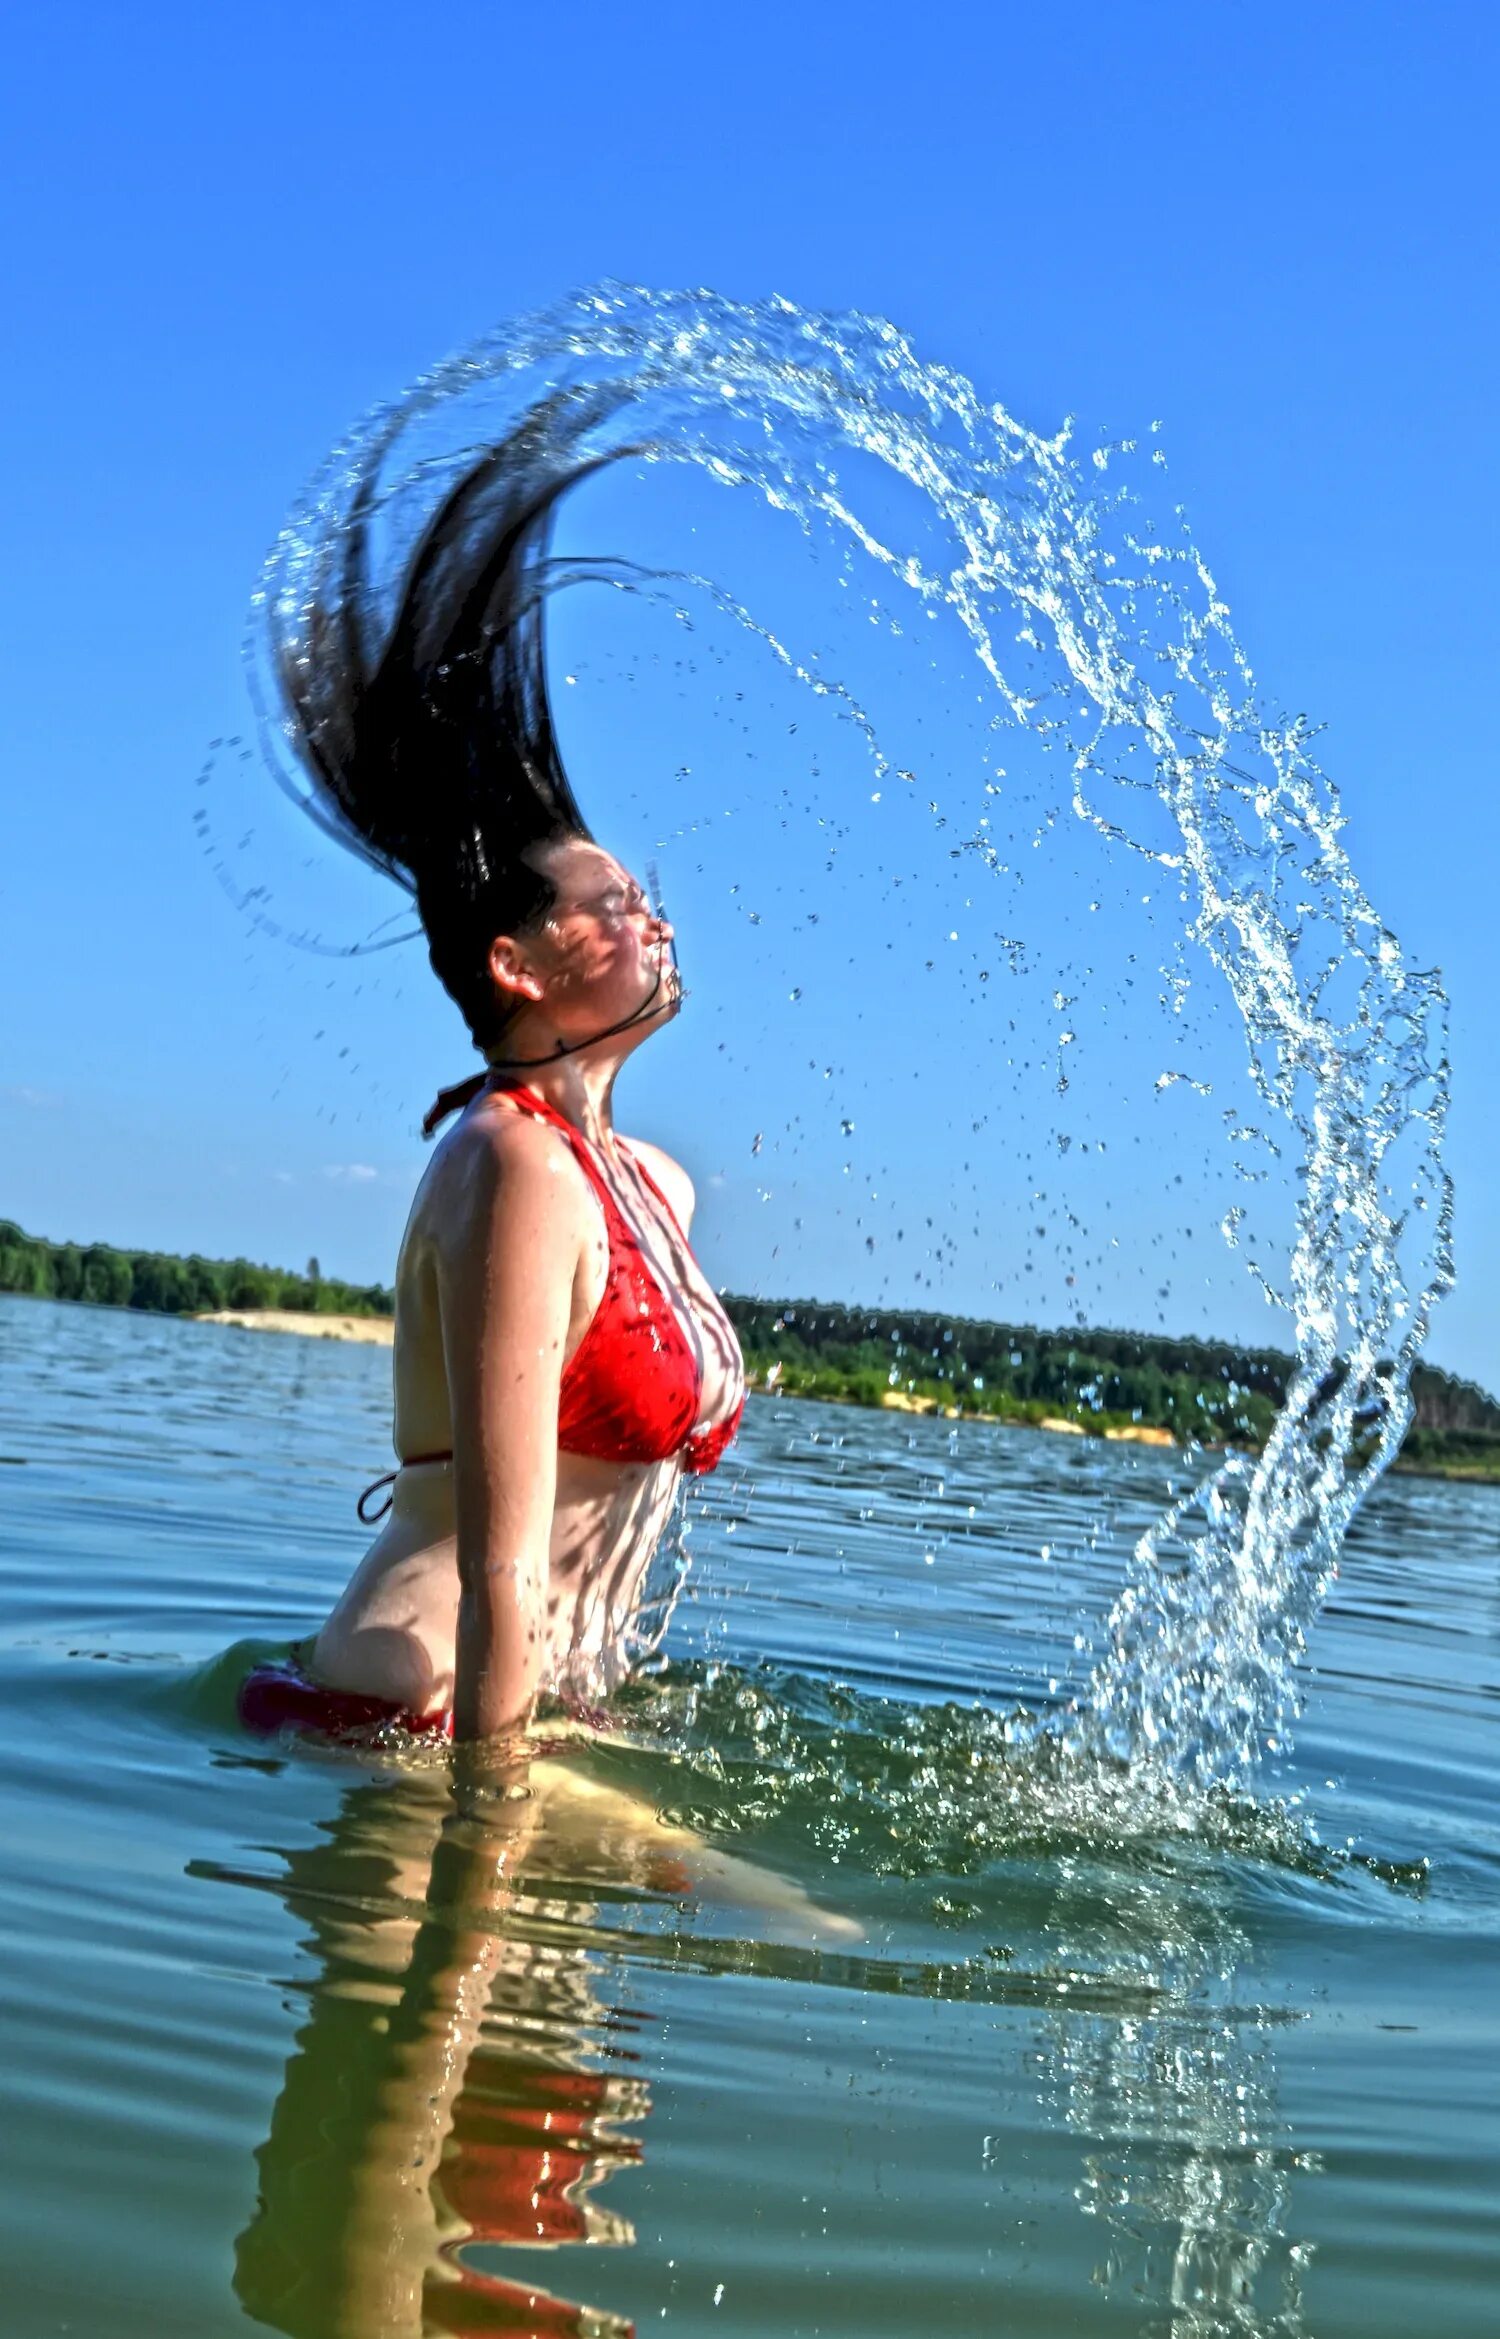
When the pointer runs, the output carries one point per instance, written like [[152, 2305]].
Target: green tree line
[[1197, 1389], [163, 1284]]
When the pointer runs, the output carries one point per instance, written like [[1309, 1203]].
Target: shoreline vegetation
[[1130, 1387]]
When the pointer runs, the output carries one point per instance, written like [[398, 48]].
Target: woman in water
[[560, 1358]]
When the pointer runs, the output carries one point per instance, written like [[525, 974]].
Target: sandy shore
[[369, 1331], [1136, 1433]]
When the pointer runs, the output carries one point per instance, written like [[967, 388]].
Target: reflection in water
[[1187, 2159], [463, 2083], [454, 2091], [1123, 1893]]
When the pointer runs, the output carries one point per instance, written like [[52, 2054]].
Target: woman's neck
[[579, 1087]]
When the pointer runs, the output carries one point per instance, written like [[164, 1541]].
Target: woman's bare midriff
[[393, 1633]]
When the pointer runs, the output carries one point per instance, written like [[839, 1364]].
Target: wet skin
[[514, 1570]]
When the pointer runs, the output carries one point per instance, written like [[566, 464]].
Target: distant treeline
[[1198, 1389], [1103, 1379], [163, 1284]]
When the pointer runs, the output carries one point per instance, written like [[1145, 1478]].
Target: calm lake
[[1095, 2065]]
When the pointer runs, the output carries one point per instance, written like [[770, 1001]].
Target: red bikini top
[[632, 1387]]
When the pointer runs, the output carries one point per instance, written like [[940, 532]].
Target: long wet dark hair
[[428, 738]]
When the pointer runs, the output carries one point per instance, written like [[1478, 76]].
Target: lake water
[[1101, 2062]]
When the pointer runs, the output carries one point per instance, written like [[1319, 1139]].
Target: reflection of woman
[[445, 2089], [560, 1358]]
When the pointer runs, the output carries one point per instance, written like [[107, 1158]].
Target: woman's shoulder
[[495, 1155]]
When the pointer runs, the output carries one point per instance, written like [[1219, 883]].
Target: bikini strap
[[645, 1175], [452, 1100], [463, 1092], [583, 1152], [378, 1485]]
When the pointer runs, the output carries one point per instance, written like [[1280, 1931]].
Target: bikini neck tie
[[453, 1100]]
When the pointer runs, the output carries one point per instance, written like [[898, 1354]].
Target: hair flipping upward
[[428, 739]]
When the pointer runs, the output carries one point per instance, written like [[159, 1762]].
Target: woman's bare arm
[[505, 1289]]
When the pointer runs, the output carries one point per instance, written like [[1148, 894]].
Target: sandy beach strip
[[369, 1331]]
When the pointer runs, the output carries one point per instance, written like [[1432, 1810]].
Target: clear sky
[[226, 233]]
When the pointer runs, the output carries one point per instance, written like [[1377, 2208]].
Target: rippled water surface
[[284, 2039]]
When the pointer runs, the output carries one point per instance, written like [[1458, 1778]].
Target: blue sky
[[227, 234]]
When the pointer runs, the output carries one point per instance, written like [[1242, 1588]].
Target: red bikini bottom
[[527, 2148], [279, 1694]]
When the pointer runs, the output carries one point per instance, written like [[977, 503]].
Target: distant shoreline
[[1126, 1387], [380, 1332]]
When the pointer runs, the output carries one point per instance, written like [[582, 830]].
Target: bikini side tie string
[[376, 1485]]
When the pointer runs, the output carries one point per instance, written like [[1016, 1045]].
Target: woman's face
[[602, 951]]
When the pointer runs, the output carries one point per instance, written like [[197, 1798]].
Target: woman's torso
[[393, 1632]]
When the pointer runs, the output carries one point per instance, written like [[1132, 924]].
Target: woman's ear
[[512, 970]]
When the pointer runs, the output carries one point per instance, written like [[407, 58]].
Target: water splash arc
[[1125, 641]]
